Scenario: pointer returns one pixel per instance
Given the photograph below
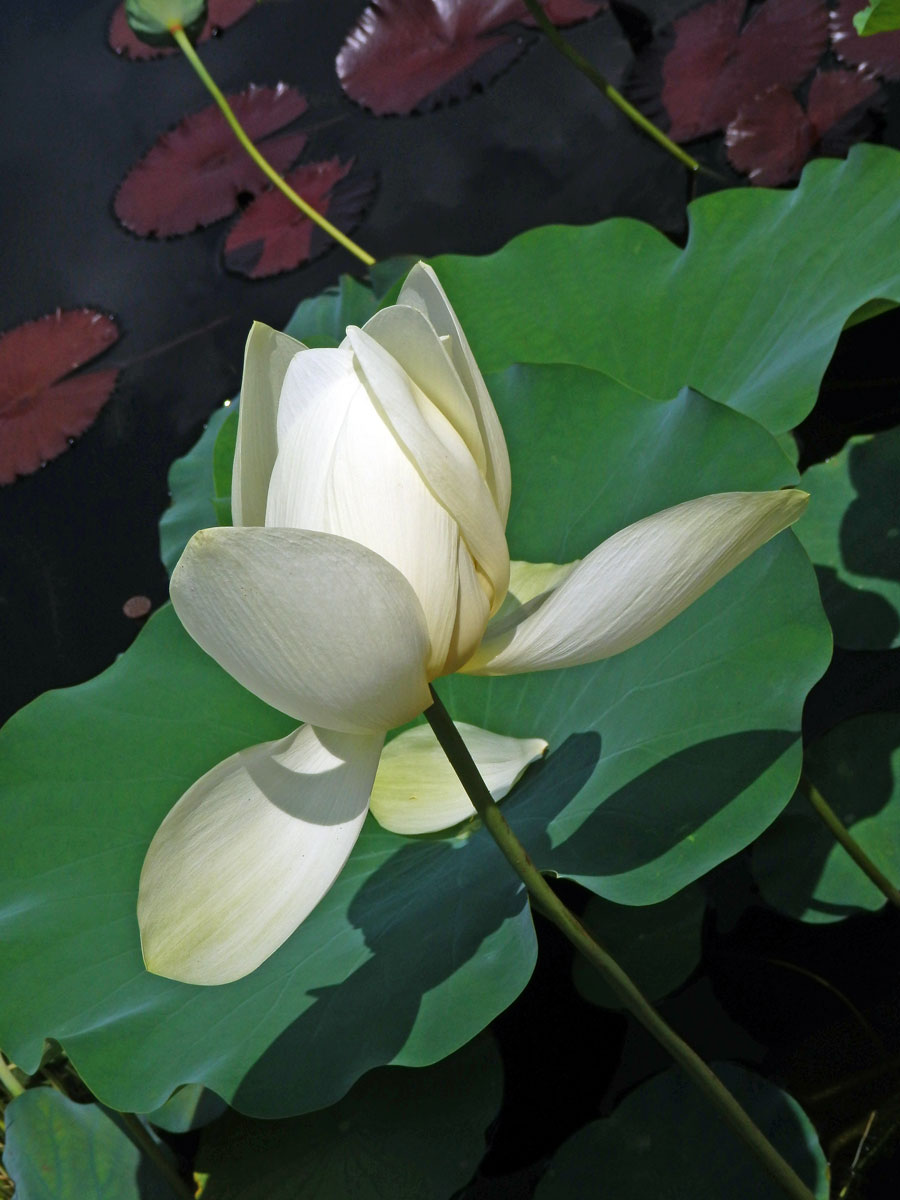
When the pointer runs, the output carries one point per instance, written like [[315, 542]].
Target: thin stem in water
[[546, 900], [536, 8], [268, 170], [842, 834]]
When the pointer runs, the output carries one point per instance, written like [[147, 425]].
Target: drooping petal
[[638, 580], [439, 454], [340, 470], [417, 791], [408, 335], [422, 290], [266, 358], [249, 850], [317, 626]]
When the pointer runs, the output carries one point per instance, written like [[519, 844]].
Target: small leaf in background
[[221, 14], [222, 463], [658, 945], [192, 488], [152, 20], [41, 406], [322, 320], [59, 1150], [772, 137], [878, 54], [137, 607], [273, 235], [407, 1134], [800, 868], [716, 64], [407, 55], [881, 16], [851, 531], [664, 1139], [197, 172]]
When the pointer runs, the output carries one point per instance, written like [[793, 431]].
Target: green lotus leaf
[[881, 16], [663, 762], [748, 313], [59, 1150], [798, 865], [193, 491], [658, 945], [664, 1140], [417, 1134], [852, 534]]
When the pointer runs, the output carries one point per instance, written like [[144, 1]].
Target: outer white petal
[[340, 470], [266, 360], [638, 580], [416, 789], [409, 336], [317, 626], [440, 455], [250, 850], [423, 291]]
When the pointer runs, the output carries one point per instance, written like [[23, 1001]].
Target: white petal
[[409, 337], [417, 791], [439, 454], [638, 580], [250, 850], [340, 470], [422, 290], [266, 360], [317, 626]]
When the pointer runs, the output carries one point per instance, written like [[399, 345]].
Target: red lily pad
[[772, 136], [197, 172], [41, 406], [220, 15], [407, 55], [272, 235], [711, 63], [879, 53]]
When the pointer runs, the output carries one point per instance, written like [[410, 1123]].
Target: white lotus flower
[[368, 556]]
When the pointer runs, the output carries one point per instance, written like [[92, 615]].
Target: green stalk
[[600, 81], [546, 901], [154, 1153], [268, 170], [842, 834], [8, 1079]]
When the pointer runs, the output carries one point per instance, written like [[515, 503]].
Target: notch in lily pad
[[153, 20]]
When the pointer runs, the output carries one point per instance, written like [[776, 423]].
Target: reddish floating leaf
[[39, 409], [272, 235], [196, 173], [221, 15], [879, 53], [404, 55], [772, 137], [715, 66], [137, 607]]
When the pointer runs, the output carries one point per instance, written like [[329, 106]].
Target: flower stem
[[8, 1079], [154, 1153], [546, 901], [268, 170], [842, 834], [536, 8]]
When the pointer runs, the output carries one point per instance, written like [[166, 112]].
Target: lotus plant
[[367, 558]]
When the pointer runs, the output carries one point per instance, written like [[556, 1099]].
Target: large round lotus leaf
[[748, 313], [59, 1150], [662, 762], [409, 1135], [658, 945], [852, 534], [799, 866], [666, 1141]]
